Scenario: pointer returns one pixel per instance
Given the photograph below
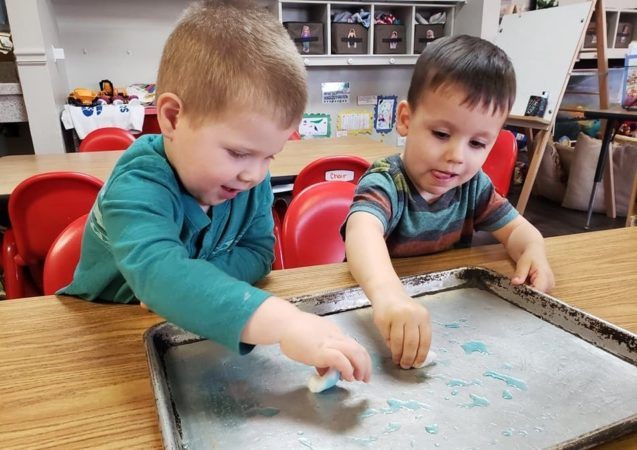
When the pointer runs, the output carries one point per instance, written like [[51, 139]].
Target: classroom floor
[[553, 220]]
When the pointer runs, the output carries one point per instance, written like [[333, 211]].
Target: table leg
[[540, 140], [599, 170]]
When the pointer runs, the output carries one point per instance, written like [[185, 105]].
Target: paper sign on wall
[[315, 125], [335, 92], [355, 121], [385, 113]]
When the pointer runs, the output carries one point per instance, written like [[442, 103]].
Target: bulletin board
[[543, 45]]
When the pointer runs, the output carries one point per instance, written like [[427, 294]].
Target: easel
[[538, 129]]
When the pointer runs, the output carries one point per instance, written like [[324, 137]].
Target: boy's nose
[[253, 173], [454, 152]]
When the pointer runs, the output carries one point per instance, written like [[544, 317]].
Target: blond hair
[[225, 56]]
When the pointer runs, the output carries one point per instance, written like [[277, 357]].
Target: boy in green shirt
[[184, 223]]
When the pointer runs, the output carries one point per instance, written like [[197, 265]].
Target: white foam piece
[[319, 383], [429, 360]]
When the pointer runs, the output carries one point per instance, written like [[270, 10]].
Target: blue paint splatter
[[432, 429], [476, 400], [460, 382], [513, 382], [391, 427], [395, 405], [365, 440], [368, 413], [506, 395], [306, 442], [474, 346]]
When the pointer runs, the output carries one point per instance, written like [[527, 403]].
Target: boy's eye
[[478, 144], [237, 155], [440, 134]]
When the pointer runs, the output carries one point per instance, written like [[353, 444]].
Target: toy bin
[[425, 34], [389, 39], [349, 38], [307, 36]]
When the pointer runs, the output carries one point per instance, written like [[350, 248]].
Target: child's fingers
[[411, 342], [354, 356], [542, 281], [425, 343], [335, 359], [521, 271], [396, 341]]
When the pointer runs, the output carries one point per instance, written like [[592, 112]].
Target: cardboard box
[[307, 36], [349, 38], [425, 34], [590, 38], [389, 39], [624, 35]]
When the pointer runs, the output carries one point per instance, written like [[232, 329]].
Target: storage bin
[[389, 39], [624, 35], [349, 38], [307, 36], [425, 34]]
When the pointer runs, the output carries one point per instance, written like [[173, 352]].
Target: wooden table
[[287, 164], [73, 374]]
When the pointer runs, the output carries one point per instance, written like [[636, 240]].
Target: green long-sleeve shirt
[[148, 239]]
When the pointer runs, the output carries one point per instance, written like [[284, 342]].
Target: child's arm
[[307, 338], [525, 245], [403, 323]]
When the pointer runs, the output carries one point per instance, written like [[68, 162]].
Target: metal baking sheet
[[516, 369]]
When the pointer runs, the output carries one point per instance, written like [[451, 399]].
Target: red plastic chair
[[108, 138], [278, 249], [311, 226], [501, 162], [41, 207], [330, 168], [295, 136], [63, 256]]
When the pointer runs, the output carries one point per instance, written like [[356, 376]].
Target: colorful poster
[[355, 121], [315, 125], [385, 113]]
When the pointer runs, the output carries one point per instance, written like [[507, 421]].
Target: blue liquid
[[474, 346], [513, 382], [432, 429]]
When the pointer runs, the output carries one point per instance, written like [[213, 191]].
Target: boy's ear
[[169, 111], [403, 114]]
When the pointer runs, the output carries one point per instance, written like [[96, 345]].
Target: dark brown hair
[[481, 68]]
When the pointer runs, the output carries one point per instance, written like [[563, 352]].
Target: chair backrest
[[330, 168], [311, 226], [63, 257], [41, 207], [108, 138], [501, 162]]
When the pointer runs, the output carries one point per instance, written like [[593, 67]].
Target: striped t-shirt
[[414, 227]]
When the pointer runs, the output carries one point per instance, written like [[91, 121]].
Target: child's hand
[[318, 342], [533, 266], [406, 327]]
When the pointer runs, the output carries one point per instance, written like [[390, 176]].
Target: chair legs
[[17, 282]]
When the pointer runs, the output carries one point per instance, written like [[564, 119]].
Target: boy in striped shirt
[[433, 195]]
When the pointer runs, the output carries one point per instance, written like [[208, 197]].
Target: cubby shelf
[[621, 28], [321, 12]]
